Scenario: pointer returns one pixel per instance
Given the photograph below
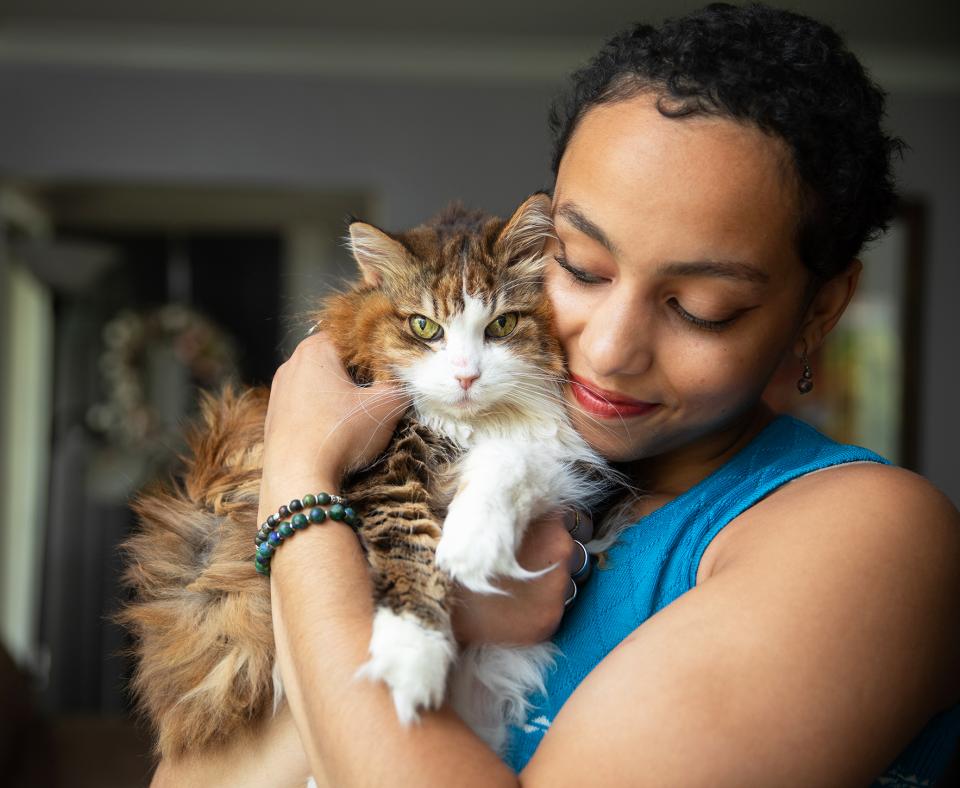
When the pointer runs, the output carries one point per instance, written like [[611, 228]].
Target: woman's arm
[[271, 755], [322, 624]]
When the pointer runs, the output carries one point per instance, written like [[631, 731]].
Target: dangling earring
[[805, 384]]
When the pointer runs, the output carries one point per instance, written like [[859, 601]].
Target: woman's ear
[[827, 306]]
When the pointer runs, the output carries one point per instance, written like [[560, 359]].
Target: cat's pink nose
[[466, 381]]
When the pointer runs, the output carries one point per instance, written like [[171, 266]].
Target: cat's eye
[[425, 328], [501, 326]]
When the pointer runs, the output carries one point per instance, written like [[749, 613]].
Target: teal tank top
[[656, 560]]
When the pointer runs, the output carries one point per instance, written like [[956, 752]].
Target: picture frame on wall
[[866, 374]]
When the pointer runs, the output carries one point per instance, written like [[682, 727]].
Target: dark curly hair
[[787, 74]]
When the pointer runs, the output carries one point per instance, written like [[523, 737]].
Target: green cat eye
[[425, 328], [502, 326]]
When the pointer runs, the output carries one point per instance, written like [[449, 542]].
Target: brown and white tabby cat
[[454, 312]]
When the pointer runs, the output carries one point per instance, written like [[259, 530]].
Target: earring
[[805, 383]]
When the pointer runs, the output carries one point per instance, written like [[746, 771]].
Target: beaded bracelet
[[277, 528]]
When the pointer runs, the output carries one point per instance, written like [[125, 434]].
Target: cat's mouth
[[465, 402]]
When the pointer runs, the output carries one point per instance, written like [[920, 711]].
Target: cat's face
[[473, 350], [468, 327]]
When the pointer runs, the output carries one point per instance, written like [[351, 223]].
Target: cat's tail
[[199, 612]]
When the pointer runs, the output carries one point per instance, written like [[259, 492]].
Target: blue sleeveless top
[[656, 560]]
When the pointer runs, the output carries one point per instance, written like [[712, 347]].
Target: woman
[[715, 180]]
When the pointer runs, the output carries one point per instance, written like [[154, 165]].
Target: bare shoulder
[[869, 486], [823, 640], [878, 527], [861, 505]]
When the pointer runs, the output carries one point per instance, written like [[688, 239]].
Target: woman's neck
[[667, 475]]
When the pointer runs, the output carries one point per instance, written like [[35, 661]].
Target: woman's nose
[[617, 341]]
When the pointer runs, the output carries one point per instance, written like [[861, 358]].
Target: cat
[[454, 312]]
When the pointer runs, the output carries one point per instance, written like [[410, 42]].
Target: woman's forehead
[[703, 184]]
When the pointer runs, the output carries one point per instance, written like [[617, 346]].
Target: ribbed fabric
[[656, 560]]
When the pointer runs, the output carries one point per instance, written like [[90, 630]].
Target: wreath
[[184, 340]]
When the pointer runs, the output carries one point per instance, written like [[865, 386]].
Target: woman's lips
[[606, 404]]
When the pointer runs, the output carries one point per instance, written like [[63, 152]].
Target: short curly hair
[[789, 75]]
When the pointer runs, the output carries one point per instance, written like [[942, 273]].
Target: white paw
[[477, 544], [411, 659]]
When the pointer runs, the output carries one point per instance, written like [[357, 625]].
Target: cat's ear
[[523, 236], [377, 254]]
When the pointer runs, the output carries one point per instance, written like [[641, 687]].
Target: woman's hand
[[534, 608], [319, 424]]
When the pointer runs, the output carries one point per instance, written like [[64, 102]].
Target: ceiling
[[907, 45], [887, 24]]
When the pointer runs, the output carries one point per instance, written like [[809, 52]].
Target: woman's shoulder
[[871, 495], [863, 523], [861, 503]]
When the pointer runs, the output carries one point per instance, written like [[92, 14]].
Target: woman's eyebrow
[[727, 269], [574, 215]]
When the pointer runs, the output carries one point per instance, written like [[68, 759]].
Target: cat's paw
[[412, 659], [477, 545]]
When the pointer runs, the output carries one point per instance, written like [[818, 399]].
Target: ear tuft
[[524, 235], [376, 253]]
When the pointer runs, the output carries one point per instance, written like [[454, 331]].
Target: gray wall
[[414, 146]]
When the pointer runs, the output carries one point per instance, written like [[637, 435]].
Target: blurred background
[[174, 179]]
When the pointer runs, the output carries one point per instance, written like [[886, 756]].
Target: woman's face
[[676, 286]]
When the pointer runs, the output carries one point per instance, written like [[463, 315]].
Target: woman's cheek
[[569, 306], [711, 378]]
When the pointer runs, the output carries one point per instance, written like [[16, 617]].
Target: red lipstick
[[606, 404]]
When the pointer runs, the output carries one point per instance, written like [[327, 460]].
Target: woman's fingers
[[580, 527], [579, 524], [532, 609], [378, 408], [319, 424], [319, 404]]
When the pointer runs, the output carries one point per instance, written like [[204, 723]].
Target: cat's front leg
[[412, 645], [504, 483]]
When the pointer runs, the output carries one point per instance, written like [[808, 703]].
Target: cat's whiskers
[[363, 406], [562, 379], [539, 392]]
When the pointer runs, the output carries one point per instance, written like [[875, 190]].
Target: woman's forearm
[[271, 755], [322, 623]]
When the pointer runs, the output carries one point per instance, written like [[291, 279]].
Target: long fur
[[202, 621], [459, 487]]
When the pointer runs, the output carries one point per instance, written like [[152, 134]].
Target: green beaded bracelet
[[277, 528]]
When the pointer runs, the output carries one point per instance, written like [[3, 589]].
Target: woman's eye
[[501, 326], [580, 276], [699, 322], [425, 328]]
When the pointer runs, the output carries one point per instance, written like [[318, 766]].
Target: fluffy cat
[[454, 312]]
